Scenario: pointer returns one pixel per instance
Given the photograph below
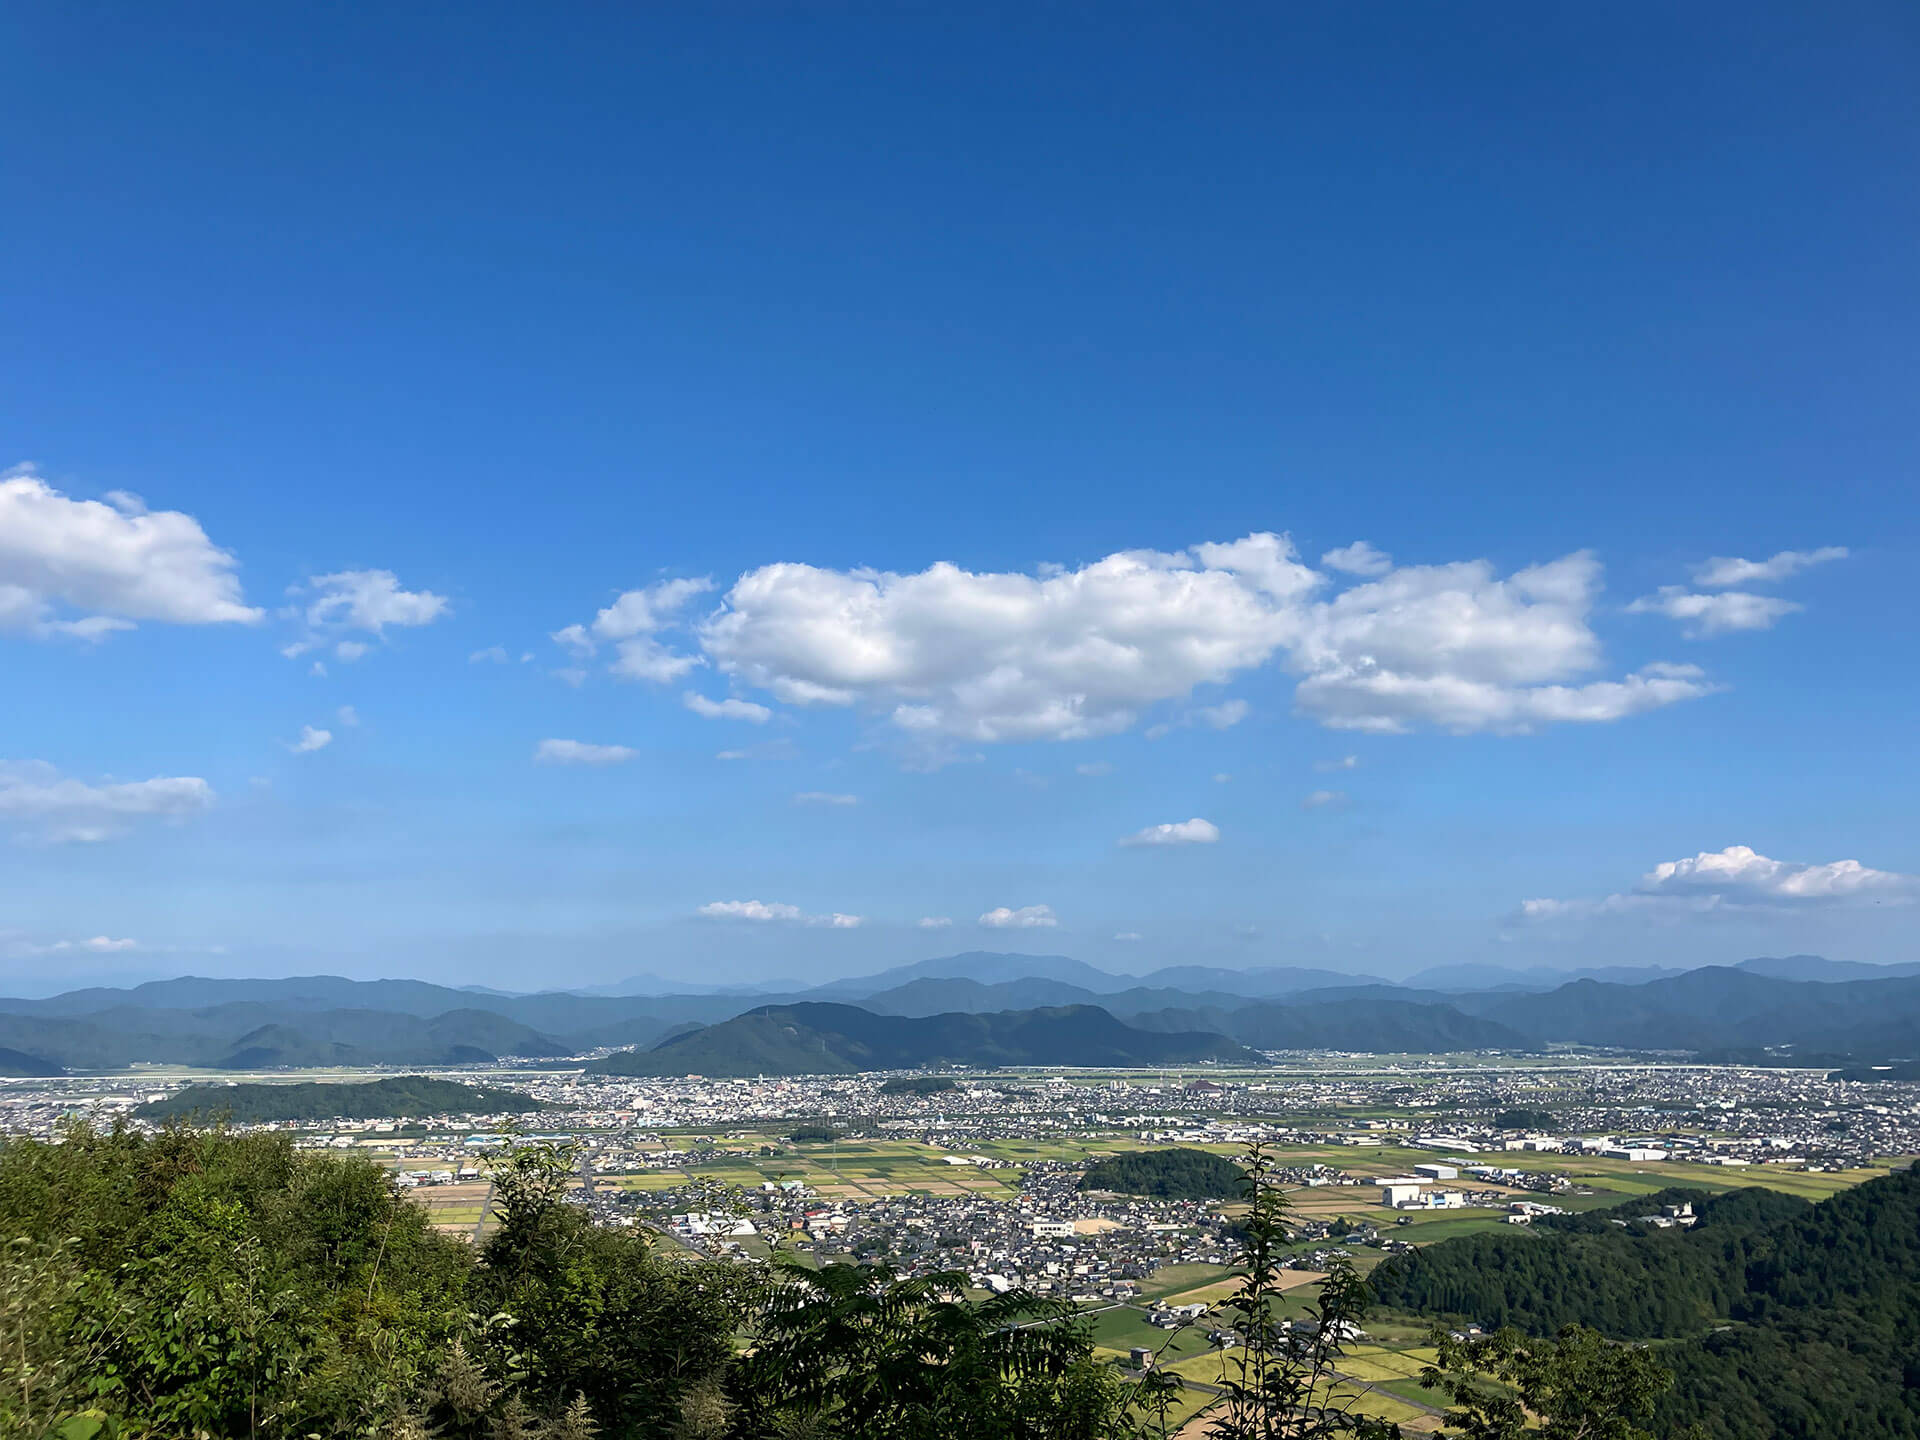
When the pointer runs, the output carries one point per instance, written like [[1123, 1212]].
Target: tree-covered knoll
[[1175, 1174], [919, 1085], [815, 1134], [401, 1097], [1791, 1320], [1523, 1119]]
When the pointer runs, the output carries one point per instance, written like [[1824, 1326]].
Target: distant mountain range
[[1795, 1004]]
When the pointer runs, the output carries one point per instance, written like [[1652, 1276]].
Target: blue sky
[[345, 348]]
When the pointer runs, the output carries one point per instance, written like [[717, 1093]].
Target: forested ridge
[[1787, 1319]]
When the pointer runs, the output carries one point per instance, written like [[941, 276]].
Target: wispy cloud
[[581, 752], [771, 912]]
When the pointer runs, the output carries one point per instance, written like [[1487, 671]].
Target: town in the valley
[[985, 1175]]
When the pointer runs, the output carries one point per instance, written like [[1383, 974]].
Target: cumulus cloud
[[1743, 873], [935, 922], [949, 654], [766, 912], [1736, 879], [1027, 917], [580, 752], [492, 655], [1359, 558], [728, 709], [1324, 800], [631, 625], [1345, 762], [1181, 832], [312, 738], [824, 797], [369, 600], [58, 809], [1723, 572], [82, 569], [1456, 647], [1004, 657], [1714, 614]]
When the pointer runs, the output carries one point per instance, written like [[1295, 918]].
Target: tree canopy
[[1174, 1174]]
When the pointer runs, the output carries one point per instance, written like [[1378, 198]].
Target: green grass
[[1172, 1279]]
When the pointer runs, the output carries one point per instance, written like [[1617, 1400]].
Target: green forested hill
[[1175, 1174], [1790, 1321], [817, 1039], [400, 1098]]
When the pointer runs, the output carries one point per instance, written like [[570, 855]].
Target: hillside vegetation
[[402, 1097], [1824, 1302]]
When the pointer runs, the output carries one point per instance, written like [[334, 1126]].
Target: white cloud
[[1324, 799], [1093, 769], [312, 738], [630, 625], [1455, 647], [1182, 832], [1741, 873], [1127, 936], [1223, 717], [492, 655], [369, 600], [732, 755], [113, 562], [824, 797], [1715, 614], [1733, 880], [580, 752], [726, 709], [1221, 777], [765, 912], [349, 716], [350, 650], [1027, 917], [1003, 657], [935, 922], [1345, 762], [97, 945], [1359, 558], [1722, 571], [950, 654], [59, 809]]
